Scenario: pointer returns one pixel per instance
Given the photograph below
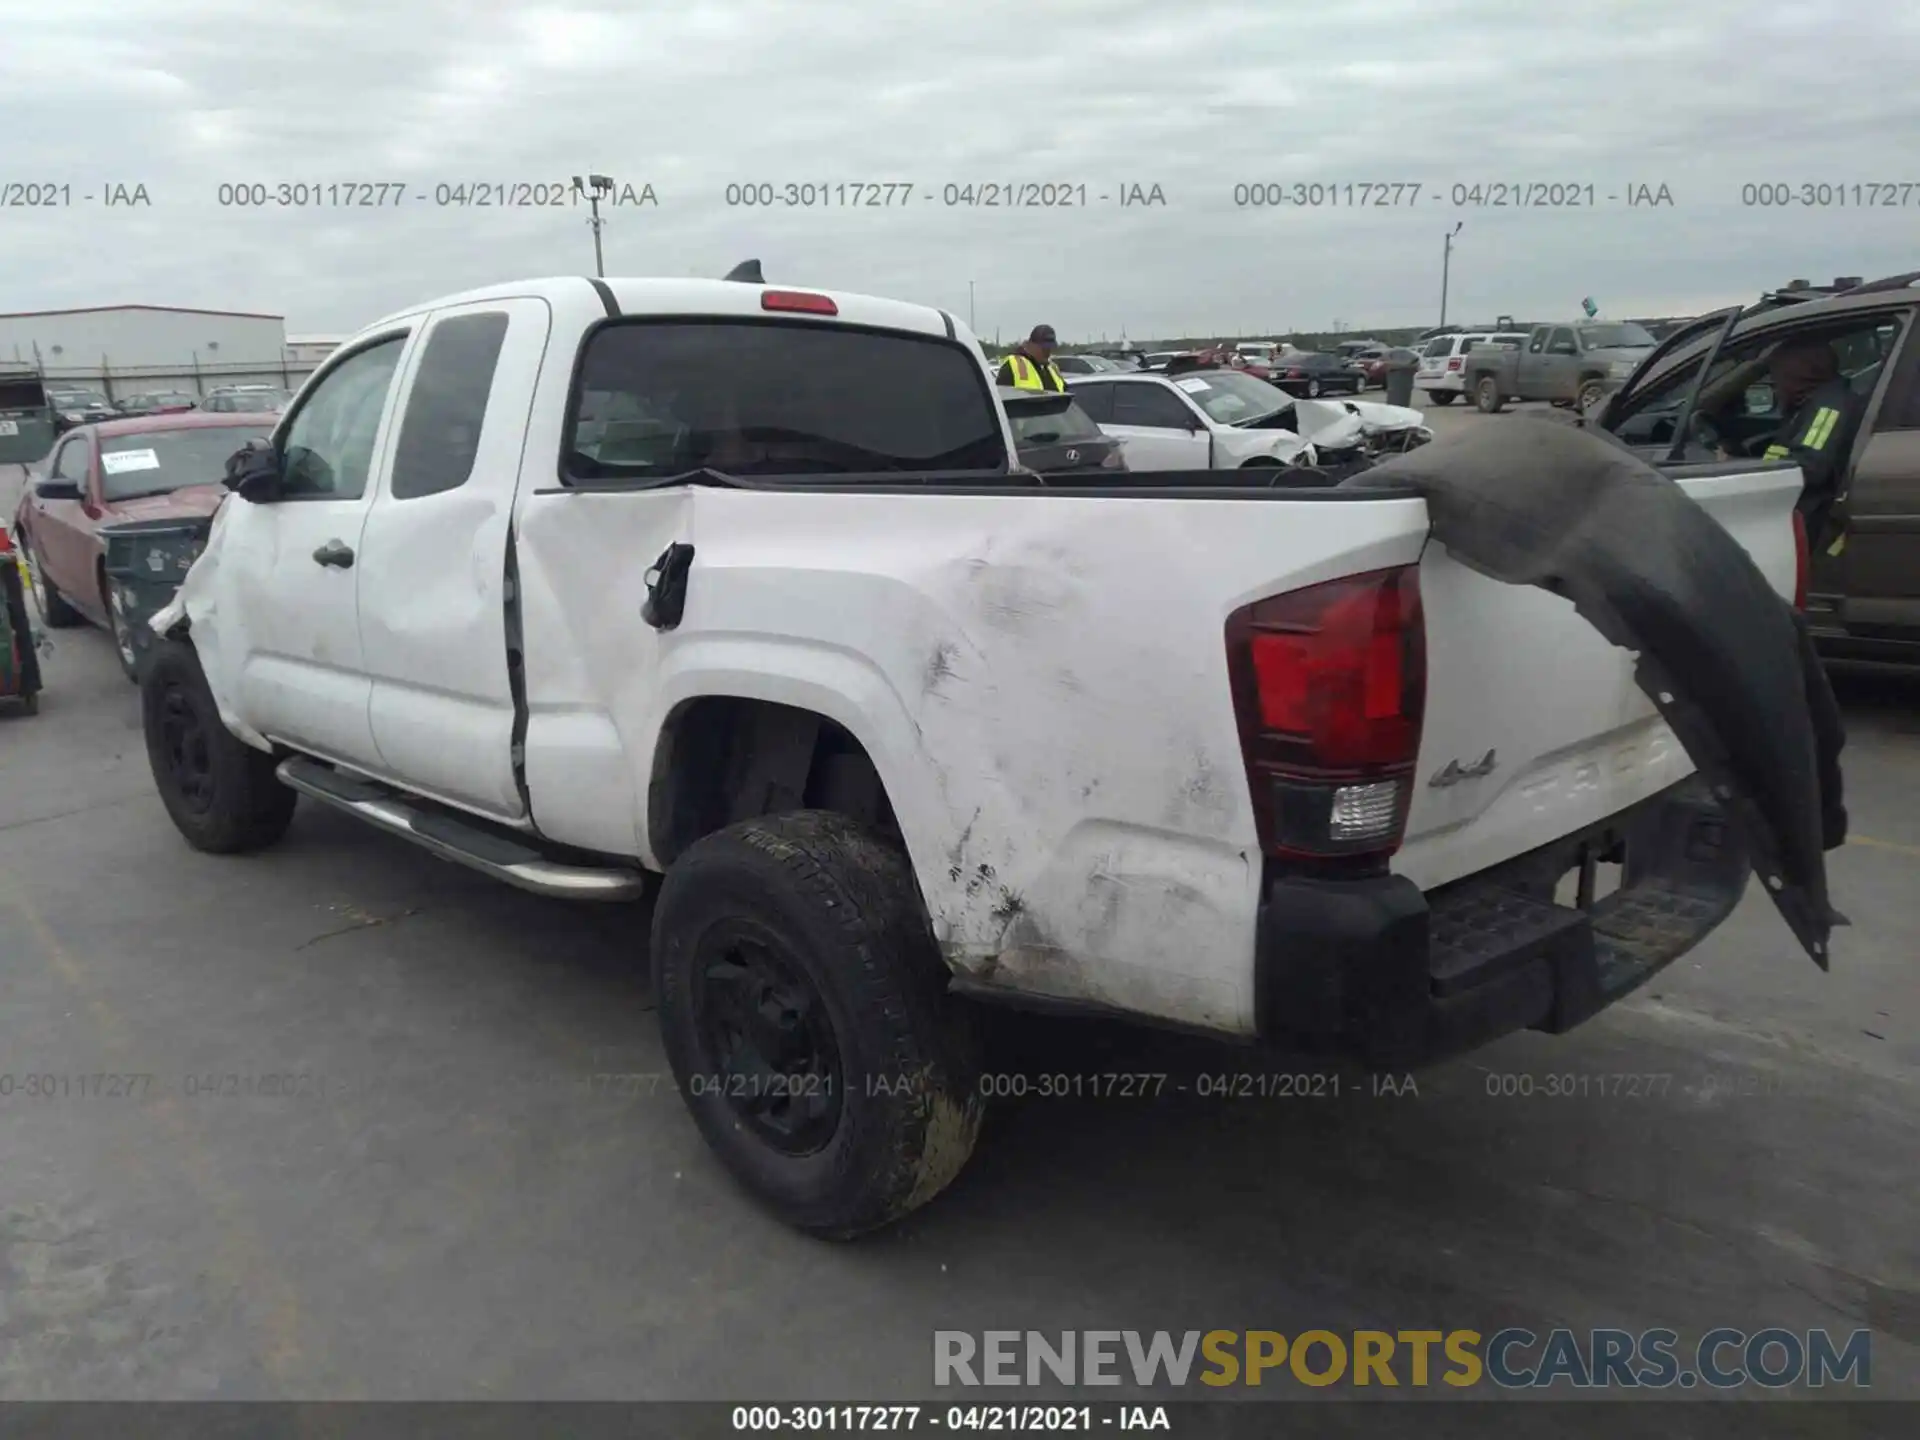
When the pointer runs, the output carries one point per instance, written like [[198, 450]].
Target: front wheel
[[122, 629], [55, 613], [1589, 396], [221, 793], [804, 1012], [1487, 398]]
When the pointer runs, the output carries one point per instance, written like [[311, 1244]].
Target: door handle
[[334, 553]]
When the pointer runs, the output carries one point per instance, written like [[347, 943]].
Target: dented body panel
[[1038, 677]]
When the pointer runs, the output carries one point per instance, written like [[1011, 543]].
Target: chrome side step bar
[[463, 842]]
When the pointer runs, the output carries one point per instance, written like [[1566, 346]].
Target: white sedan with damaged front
[[1224, 419]]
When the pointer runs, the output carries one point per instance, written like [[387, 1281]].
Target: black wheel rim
[[768, 1041], [189, 756]]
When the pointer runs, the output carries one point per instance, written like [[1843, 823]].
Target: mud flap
[[1725, 659]]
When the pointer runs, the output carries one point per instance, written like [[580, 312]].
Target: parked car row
[[77, 405]]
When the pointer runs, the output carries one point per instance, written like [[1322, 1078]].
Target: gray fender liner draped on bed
[[1723, 656]]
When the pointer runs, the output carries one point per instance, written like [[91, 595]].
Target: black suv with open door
[[1703, 394]]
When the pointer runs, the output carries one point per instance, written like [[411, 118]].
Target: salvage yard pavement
[[342, 1121]]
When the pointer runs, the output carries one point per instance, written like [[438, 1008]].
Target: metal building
[[307, 351], [124, 349]]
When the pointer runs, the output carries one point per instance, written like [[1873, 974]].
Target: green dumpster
[[146, 561], [26, 420]]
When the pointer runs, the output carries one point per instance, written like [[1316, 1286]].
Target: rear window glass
[[165, 460], [1061, 427], [660, 398]]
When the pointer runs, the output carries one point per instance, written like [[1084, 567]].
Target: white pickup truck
[[580, 582]]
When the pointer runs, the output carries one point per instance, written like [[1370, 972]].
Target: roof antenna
[[747, 271]]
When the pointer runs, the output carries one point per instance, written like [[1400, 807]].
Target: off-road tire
[[1487, 398], [54, 611], [843, 902], [236, 804]]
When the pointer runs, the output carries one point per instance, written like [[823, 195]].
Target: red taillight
[[1296, 374], [1113, 459], [1330, 686], [799, 300], [1454, 363], [1801, 561], [6, 545]]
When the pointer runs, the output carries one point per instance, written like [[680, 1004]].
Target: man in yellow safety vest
[[1029, 365], [1823, 412]]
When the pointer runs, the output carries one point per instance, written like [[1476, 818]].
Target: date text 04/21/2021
[[1463, 195], [949, 194], [442, 195], [831, 1419]]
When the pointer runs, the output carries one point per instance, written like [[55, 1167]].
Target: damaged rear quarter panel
[[1040, 681]]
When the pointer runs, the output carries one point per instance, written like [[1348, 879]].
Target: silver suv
[[1442, 372]]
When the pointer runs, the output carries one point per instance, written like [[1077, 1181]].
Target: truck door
[[1560, 367], [289, 640], [1880, 564], [1530, 369], [433, 588]]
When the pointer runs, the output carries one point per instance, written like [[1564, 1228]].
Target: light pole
[[1446, 265], [593, 187]]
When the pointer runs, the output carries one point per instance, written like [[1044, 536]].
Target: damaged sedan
[[1224, 419]]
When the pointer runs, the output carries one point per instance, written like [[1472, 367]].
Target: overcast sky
[[1194, 96]]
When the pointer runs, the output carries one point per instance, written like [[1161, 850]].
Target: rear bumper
[[1376, 970]]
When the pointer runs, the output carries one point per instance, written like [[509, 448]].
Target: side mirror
[[58, 490], [254, 472]]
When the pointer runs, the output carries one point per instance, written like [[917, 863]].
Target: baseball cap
[[1043, 335]]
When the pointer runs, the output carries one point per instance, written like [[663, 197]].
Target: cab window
[[329, 445]]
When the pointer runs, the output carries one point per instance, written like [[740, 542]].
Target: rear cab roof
[[576, 299]]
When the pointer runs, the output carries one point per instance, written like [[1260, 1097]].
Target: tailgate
[[1534, 726]]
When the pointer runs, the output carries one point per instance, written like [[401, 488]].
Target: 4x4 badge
[[1453, 772]]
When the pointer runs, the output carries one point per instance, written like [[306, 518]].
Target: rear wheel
[[1440, 397], [221, 793], [55, 613], [1313, 389], [804, 1011], [1486, 395]]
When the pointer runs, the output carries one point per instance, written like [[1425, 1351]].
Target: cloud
[[1090, 97]]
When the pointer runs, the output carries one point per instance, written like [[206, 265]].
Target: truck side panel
[[1040, 681]]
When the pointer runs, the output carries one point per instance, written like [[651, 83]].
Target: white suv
[[1442, 372]]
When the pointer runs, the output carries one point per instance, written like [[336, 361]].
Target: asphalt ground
[[483, 1187]]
